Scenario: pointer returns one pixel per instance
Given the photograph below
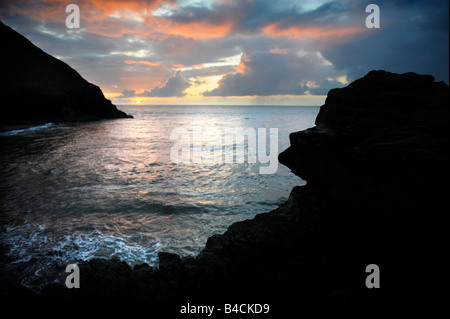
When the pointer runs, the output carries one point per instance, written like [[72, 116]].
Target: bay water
[[74, 191]]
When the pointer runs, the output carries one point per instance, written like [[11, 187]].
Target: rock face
[[378, 156], [38, 88], [374, 166], [378, 141]]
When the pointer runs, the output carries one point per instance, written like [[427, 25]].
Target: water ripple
[[70, 192]]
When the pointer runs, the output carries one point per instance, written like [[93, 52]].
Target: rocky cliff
[[378, 157], [37, 88], [377, 143], [376, 166]]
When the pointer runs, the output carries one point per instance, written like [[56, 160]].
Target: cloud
[[174, 87], [271, 73], [287, 47], [414, 36], [128, 93], [141, 62]]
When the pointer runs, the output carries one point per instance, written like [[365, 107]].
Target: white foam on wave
[[29, 129], [42, 253]]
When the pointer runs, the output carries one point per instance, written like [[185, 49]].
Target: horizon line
[[275, 105]]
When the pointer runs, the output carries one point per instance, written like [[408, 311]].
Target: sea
[[165, 180]]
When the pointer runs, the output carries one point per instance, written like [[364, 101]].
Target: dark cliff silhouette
[[37, 88]]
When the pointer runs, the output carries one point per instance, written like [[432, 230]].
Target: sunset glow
[[228, 52]]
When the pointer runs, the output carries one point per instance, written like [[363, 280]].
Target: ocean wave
[[29, 129], [45, 254]]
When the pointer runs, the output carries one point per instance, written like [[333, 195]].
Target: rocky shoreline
[[376, 166]]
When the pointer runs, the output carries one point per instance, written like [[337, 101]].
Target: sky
[[249, 52]]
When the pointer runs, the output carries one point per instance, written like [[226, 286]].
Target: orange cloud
[[110, 6], [141, 62], [194, 30], [98, 8], [242, 67], [114, 18], [302, 33], [279, 51]]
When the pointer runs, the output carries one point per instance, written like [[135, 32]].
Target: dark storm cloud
[[249, 17], [414, 36]]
